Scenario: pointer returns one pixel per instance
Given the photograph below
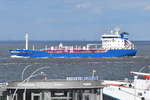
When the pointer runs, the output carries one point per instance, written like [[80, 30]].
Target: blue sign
[[83, 78]]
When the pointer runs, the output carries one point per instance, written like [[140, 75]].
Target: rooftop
[[56, 84]]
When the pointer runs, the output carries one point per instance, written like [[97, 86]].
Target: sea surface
[[59, 68]]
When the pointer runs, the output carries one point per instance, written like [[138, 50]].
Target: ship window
[[36, 98], [87, 97], [59, 93], [16, 97], [110, 37], [140, 94], [2, 98]]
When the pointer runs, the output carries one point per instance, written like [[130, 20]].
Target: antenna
[[33, 47], [26, 39], [117, 29]]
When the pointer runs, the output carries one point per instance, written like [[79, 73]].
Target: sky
[[73, 19]]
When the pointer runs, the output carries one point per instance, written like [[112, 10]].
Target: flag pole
[[93, 73]]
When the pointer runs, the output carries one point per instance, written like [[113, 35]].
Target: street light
[[141, 69], [27, 80], [24, 71], [33, 74]]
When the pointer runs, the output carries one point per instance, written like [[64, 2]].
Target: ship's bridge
[[107, 36], [116, 40]]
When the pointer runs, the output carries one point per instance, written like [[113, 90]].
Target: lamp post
[[34, 75], [28, 78], [31, 76], [141, 69], [35, 72], [24, 71]]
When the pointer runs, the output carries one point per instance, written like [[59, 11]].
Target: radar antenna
[[117, 29]]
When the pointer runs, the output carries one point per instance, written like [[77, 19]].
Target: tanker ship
[[114, 44]]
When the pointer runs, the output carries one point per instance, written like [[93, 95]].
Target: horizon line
[[65, 40]]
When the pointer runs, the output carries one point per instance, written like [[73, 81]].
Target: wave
[[114, 62], [141, 57]]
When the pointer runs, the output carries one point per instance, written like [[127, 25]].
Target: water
[[59, 68]]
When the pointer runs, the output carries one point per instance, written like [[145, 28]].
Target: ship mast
[[26, 39]]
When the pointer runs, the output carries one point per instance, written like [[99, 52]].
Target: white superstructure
[[116, 40], [139, 89], [123, 93]]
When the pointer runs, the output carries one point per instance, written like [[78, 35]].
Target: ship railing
[[71, 48], [116, 48], [88, 45]]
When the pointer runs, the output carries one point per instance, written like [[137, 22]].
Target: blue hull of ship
[[44, 54]]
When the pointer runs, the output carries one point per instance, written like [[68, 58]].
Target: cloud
[[83, 5], [147, 7], [90, 7], [46, 20]]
